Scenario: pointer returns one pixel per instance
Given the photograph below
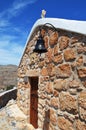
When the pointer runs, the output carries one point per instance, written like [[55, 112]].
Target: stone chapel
[[52, 85]]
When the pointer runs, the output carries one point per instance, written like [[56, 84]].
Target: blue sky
[[18, 16]]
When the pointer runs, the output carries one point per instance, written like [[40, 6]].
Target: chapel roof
[[64, 24]]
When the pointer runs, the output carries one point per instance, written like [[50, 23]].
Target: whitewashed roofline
[[69, 25]]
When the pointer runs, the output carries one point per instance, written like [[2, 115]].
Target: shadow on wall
[[47, 120], [7, 96]]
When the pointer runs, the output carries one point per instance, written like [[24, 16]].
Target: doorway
[[34, 101]]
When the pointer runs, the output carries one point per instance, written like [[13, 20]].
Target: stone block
[[82, 72], [84, 83], [68, 103], [73, 91], [52, 73], [41, 64], [49, 88], [81, 49], [46, 39], [80, 125], [33, 58], [54, 102], [56, 50], [64, 124], [49, 54], [63, 71], [53, 38], [44, 71], [53, 117], [79, 61], [55, 93], [42, 102], [82, 113], [33, 72], [63, 42], [57, 59], [82, 99], [28, 49], [60, 84], [43, 32], [51, 69], [69, 54], [74, 84]]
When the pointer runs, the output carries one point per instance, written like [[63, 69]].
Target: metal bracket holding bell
[[40, 44]]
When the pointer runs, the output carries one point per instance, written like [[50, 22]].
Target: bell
[[40, 46]]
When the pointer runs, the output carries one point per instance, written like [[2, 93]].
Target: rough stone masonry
[[62, 80]]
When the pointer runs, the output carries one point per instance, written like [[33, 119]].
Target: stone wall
[[6, 96], [62, 80]]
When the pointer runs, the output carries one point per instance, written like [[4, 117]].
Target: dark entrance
[[34, 101]]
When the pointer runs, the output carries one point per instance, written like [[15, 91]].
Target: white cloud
[[16, 8], [11, 55], [18, 5], [17, 49], [6, 37], [10, 51], [8, 57], [11, 46], [4, 23], [21, 3]]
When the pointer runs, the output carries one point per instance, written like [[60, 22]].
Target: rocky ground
[[12, 118], [8, 76]]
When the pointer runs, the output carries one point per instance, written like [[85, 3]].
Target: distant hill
[[8, 76]]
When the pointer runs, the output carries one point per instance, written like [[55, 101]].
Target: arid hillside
[[8, 76]]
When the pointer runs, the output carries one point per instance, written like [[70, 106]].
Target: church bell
[[40, 46]]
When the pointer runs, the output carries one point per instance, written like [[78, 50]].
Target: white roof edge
[[69, 25]]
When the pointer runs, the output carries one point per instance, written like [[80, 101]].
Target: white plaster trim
[[3, 93], [70, 25]]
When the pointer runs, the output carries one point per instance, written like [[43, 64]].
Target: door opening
[[34, 101]]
